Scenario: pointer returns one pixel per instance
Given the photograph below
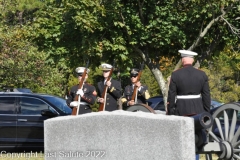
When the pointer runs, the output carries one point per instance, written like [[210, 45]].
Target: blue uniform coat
[[188, 81], [112, 96], [89, 97]]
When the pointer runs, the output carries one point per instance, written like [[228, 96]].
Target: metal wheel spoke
[[235, 138], [225, 130], [236, 156], [219, 127], [236, 144], [213, 136], [233, 125], [236, 150], [226, 124]]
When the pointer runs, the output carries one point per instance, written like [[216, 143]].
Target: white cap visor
[[187, 53]]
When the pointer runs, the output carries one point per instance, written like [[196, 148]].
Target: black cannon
[[216, 133], [202, 122]]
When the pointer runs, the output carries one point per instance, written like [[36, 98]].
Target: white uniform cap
[[81, 70], [134, 71], [106, 67], [186, 53]]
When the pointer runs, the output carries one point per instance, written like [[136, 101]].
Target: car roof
[[30, 94], [155, 98], [25, 90]]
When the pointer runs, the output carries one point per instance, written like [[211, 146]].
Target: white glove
[[74, 104], [80, 92]]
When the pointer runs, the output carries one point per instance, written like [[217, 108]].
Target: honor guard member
[[88, 93], [114, 90], [189, 92], [142, 92]]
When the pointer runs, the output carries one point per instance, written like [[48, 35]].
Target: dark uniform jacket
[[88, 98], [142, 96], [188, 81], [112, 96]]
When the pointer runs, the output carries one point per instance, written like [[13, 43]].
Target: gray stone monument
[[119, 135]]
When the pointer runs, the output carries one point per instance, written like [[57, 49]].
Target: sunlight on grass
[[22, 156], [214, 157], [40, 156]]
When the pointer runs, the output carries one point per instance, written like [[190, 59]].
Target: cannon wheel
[[225, 121], [140, 107]]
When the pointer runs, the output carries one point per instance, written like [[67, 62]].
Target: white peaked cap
[[187, 53], [106, 67], [81, 70]]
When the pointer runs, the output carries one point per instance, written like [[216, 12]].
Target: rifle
[[102, 105], [138, 79], [78, 97]]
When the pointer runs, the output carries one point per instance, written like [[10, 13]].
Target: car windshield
[[60, 103]]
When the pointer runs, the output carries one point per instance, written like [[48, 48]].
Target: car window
[[60, 103], [33, 106], [160, 106], [7, 105], [238, 116]]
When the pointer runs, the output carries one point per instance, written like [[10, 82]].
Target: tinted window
[[7, 105], [60, 103], [160, 106], [31, 106]]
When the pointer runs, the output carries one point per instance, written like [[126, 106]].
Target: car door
[[30, 129], [8, 123]]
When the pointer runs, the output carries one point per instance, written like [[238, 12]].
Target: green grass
[[40, 156], [22, 156], [202, 157]]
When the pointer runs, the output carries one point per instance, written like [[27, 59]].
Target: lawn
[[202, 157], [40, 156], [22, 156]]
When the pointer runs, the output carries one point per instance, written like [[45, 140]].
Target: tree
[[223, 73], [70, 32], [22, 64], [142, 30]]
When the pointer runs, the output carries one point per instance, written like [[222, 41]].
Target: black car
[[156, 103], [22, 116]]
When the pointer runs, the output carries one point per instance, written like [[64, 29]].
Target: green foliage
[[148, 79], [224, 77], [23, 5], [107, 31], [19, 12], [23, 66], [57, 36]]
